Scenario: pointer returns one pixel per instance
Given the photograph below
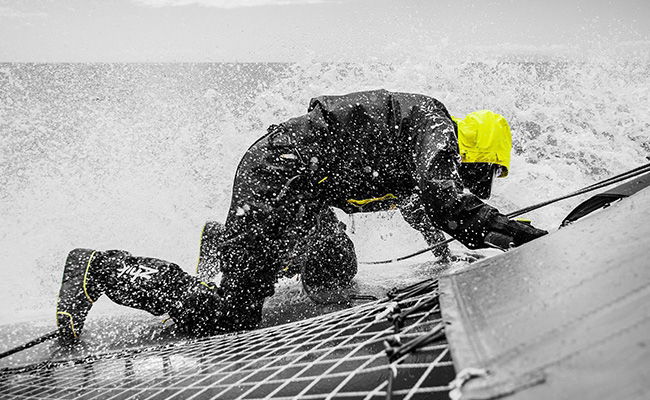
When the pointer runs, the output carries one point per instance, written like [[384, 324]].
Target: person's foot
[[77, 294]]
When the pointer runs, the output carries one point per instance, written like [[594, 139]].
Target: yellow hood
[[484, 137]]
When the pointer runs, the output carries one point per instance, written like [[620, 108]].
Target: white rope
[[462, 377]]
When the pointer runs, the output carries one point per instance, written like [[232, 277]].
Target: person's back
[[365, 142]]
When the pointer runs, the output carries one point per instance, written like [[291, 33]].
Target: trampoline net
[[391, 348]]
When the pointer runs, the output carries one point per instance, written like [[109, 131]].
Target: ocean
[[139, 156]]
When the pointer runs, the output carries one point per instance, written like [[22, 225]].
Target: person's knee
[[243, 292], [199, 312], [247, 284], [247, 274], [328, 260]]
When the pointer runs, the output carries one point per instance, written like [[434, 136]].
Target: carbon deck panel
[[564, 317]]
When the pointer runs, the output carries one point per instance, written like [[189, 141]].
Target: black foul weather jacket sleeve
[[436, 161], [408, 143]]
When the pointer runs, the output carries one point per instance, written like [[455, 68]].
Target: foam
[[137, 157]]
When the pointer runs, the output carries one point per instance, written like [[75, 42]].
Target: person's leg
[[248, 278], [148, 284], [259, 221], [326, 255], [270, 208], [256, 250]]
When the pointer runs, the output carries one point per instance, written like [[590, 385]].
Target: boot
[[148, 284], [77, 294]]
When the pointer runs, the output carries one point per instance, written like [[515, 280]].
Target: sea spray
[[138, 156]]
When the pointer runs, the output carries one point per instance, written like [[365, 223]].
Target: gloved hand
[[487, 227], [503, 231]]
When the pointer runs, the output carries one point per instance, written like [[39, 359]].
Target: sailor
[[359, 152]]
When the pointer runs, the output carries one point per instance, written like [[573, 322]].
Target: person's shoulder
[[353, 95], [412, 97], [409, 102], [360, 97]]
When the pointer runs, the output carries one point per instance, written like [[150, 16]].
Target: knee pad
[[328, 261]]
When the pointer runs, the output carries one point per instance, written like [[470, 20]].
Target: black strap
[[604, 199], [643, 169], [32, 343]]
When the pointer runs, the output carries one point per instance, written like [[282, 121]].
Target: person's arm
[[415, 215], [462, 215]]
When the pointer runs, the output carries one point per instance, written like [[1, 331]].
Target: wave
[[138, 156]]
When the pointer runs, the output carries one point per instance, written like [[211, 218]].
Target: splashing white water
[[137, 157]]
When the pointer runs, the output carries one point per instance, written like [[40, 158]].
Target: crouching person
[[360, 152]]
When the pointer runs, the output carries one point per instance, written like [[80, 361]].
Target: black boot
[[77, 294], [148, 284]]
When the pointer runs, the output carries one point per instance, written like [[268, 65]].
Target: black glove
[[500, 228], [486, 227], [499, 241]]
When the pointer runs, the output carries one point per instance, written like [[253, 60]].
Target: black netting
[[392, 347]]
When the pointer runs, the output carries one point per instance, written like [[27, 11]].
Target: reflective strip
[[211, 287], [74, 332], [361, 203], [86, 277]]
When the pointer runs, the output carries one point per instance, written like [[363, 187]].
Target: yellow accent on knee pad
[[361, 203], [211, 287]]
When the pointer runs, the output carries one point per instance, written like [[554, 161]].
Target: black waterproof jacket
[[369, 144]]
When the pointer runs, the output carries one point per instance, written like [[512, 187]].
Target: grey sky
[[289, 30]]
